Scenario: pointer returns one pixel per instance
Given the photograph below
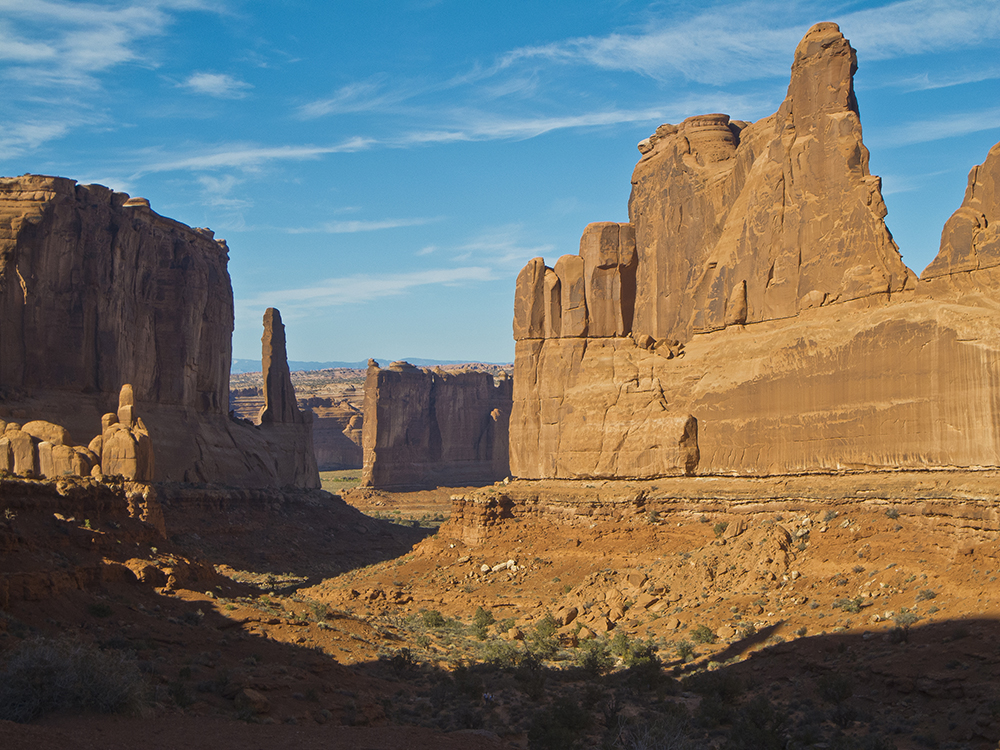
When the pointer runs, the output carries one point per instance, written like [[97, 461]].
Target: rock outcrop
[[96, 290], [41, 449], [755, 317], [428, 427]]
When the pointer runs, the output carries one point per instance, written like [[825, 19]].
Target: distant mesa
[[431, 427], [754, 316]]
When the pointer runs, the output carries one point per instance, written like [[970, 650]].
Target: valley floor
[[848, 611]]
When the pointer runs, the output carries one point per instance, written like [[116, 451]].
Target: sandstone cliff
[[424, 427], [754, 316], [97, 290]]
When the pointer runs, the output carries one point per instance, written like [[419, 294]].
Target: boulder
[[52, 433]]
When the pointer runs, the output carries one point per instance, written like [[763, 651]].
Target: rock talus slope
[[755, 316], [97, 290]]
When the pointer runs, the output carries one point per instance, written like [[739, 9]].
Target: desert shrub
[[41, 676], [543, 637], [595, 656], [685, 651], [758, 726], [480, 621], [557, 727], [501, 654], [848, 605], [835, 688], [904, 620], [720, 528], [702, 634], [892, 513], [926, 594], [530, 674], [433, 619], [667, 733]]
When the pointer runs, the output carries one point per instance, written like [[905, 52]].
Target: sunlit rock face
[[755, 316]]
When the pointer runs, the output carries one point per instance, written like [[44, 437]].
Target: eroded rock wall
[[96, 290], [428, 427], [774, 328]]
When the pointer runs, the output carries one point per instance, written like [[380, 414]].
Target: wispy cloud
[[18, 138], [350, 227], [220, 85], [66, 42], [505, 246], [738, 41], [250, 157], [946, 126], [927, 81], [361, 96], [352, 290]]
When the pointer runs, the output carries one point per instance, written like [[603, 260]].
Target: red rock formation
[[775, 328], [279, 395], [97, 290], [426, 427]]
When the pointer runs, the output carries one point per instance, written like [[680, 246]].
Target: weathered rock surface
[[97, 290], [431, 427], [775, 328]]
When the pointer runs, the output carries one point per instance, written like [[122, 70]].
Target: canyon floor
[[851, 611]]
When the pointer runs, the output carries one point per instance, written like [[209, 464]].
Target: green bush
[[685, 651], [595, 656], [480, 621], [543, 638], [433, 619], [43, 676], [702, 634]]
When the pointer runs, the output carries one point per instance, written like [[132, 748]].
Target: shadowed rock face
[[97, 290], [755, 317], [279, 395], [424, 427]]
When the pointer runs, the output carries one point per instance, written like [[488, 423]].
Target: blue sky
[[382, 171]]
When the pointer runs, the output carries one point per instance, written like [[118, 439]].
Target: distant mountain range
[[253, 365]]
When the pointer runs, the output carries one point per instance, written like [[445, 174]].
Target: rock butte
[[97, 290], [755, 317], [425, 427]]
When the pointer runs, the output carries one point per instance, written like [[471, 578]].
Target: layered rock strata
[[427, 427], [96, 289], [771, 327]]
